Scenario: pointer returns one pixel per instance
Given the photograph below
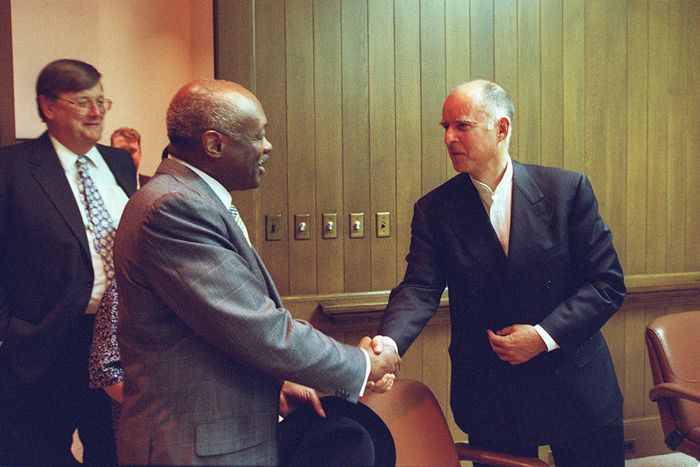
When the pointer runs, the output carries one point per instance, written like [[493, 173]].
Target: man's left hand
[[293, 395], [516, 344]]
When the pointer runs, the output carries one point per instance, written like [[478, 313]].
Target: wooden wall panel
[[301, 174], [328, 87], [552, 117], [574, 85], [382, 140], [434, 163], [271, 88], [692, 175], [353, 90], [635, 256], [528, 103], [408, 123], [657, 179], [356, 168]]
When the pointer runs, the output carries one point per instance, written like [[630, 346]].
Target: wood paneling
[[353, 91], [7, 110]]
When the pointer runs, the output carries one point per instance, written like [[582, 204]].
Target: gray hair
[[497, 103]]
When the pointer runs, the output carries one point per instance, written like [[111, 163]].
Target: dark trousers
[[37, 419], [602, 448]]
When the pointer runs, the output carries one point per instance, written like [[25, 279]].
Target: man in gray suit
[[205, 342]]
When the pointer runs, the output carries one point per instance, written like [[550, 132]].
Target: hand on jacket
[[516, 344]]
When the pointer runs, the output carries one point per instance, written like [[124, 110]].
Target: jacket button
[[548, 285]]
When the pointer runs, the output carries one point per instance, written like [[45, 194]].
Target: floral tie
[[101, 225]]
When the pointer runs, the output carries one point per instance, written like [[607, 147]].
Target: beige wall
[[145, 50]]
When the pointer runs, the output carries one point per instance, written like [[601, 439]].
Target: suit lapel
[[185, 175], [530, 218], [49, 174], [465, 215]]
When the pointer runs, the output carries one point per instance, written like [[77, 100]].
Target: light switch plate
[[383, 224], [302, 226], [273, 227], [357, 225], [329, 225]]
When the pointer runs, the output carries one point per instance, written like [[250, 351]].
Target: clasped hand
[[385, 362]]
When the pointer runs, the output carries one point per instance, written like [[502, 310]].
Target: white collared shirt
[[114, 199]]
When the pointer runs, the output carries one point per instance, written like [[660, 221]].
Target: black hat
[[350, 435]]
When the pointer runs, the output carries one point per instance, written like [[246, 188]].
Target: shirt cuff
[[368, 368], [548, 340]]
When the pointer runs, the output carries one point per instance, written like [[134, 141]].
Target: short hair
[[129, 134], [65, 75], [497, 103], [204, 107]]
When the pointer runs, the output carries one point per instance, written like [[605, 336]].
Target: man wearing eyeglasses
[[60, 197]]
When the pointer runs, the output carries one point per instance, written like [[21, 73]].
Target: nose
[[449, 135], [267, 146], [96, 109]]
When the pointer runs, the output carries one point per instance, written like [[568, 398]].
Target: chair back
[[416, 422], [673, 343]]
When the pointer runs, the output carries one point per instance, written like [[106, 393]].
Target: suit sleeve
[[189, 258], [413, 302], [599, 284]]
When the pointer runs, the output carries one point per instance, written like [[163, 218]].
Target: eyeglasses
[[85, 104]]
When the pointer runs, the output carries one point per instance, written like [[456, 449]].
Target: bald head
[[206, 104]]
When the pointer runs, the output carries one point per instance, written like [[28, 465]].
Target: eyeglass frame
[[86, 104]]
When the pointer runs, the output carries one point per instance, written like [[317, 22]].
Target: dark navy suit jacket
[[561, 272], [46, 273]]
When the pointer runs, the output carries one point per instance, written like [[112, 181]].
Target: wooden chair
[[673, 342], [421, 434]]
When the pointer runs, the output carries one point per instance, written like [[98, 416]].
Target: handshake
[[384, 361]]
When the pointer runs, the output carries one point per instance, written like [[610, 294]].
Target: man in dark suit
[[205, 341], [532, 276], [52, 277]]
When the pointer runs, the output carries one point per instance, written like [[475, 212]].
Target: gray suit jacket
[[204, 339]]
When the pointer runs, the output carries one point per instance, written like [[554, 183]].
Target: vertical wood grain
[[382, 140], [574, 85], [637, 123], [552, 119], [657, 137], [330, 261], [408, 123], [434, 165], [300, 136], [529, 101], [355, 139], [506, 58], [678, 90], [271, 90]]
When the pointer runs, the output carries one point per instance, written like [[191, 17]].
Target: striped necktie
[[239, 221]]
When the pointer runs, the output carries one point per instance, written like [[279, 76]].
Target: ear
[[503, 125], [47, 107], [212, 143]]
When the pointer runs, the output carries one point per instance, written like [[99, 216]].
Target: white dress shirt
[[114, 199]]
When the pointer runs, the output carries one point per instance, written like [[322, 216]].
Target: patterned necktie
[[100, 224], [237, 217]]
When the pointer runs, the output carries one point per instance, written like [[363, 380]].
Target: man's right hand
[[387, 361]]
